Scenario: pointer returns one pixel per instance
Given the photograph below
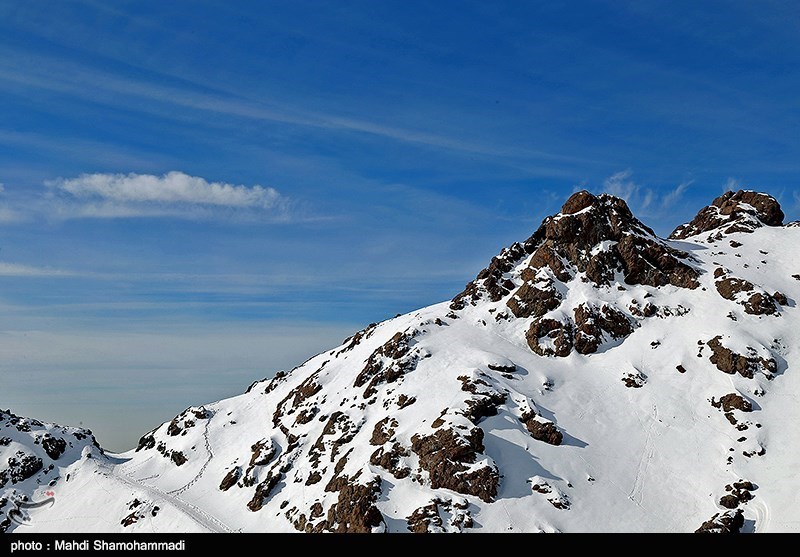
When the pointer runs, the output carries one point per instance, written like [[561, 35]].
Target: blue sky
[[196, 194]]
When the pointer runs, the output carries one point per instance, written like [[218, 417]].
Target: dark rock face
[[356, 339], [757, 303], [591, 324], [230, 478], [263, 491], [549, 337], [535, 297], [391, 460], [595, 238], [339, 430], [574, 242], [262, 452], [383, 431], [446, 455], [297, 396], [486, 401], [355, 511], [53, 446], [186, 420], [742, 211], [732, 401], [428, 518], [730, 362], [729, 522], [423, 518], [22, 466]]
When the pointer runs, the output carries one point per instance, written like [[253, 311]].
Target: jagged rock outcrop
[[754, 300], [741, 211], [595, 236], [448, 456], [595, 239], [732, 362]]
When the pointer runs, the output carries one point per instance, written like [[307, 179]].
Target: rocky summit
[[592, 378]]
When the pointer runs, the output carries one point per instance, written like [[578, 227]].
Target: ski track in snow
[[762, 514], [183, 489], [636, 493], [203, 518]]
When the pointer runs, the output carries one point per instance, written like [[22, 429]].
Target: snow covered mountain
[[593, 378]]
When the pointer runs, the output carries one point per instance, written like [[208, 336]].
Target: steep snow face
[[593, 378]]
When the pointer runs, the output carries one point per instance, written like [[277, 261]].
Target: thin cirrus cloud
[[19, 270], [104, 195]]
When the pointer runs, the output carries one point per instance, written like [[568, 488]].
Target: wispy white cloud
[[620, 184], [732, 184], [673, 196], [651, 202], [66, 77], [171, 194], [19, 270]]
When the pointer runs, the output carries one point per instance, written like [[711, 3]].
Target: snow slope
[[594, 378]]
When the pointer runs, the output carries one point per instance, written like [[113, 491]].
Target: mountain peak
[[592, 378], [595, 238], [741, 211]]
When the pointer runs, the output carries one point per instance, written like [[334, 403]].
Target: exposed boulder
[[541, 429], [732, 401], [230, 478], [554, 495], [728, 522], [738, 493]]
